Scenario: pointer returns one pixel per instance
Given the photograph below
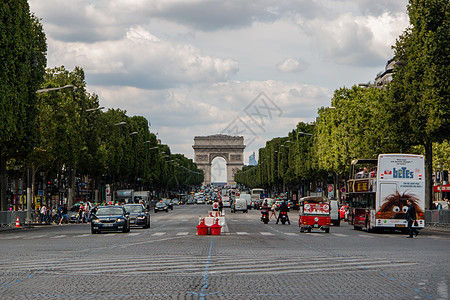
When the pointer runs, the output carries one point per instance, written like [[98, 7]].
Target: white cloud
[[292, 65], [181, 113], [141, 59], [350, 40], [192, 66]]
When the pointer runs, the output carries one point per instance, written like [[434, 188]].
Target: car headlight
[[119, 220], [96, 221], [141, 218]]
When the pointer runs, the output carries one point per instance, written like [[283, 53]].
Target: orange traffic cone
[[17, 222]]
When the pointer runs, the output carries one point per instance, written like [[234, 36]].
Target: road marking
[[12, 237], [159, 233], [35, 237], [314, 234], [134, 233], [366, 236], [291, 233], [82, 235], [58, 236], [182, 233], [339, 234], [242, 233], [267, 233]]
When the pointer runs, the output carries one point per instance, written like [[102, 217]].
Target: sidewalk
[[33, 225], [445, 229]]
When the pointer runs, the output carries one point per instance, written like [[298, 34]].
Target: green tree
[[419, 106], [22, 65]]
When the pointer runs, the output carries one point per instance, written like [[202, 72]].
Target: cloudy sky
[[199, 67]]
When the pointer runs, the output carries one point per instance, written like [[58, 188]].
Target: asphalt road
[[251, 261]]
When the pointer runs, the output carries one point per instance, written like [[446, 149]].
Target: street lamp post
[[30, 192]]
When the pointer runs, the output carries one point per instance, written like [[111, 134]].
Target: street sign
[[40, 193], [319, 190], [330, 188], [343, 189]]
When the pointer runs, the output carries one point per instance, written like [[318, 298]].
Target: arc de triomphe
[[231, 148]]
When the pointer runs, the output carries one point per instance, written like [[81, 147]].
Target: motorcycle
[[283, 217], [265, 217]]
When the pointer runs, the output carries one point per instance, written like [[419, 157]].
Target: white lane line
[[35, 237], [366, 236], [266, 233], [58, 236], [11, 237], [134, 233], [314, 234], [182, 233], [339, 234], [291, 233], [82, 235], [242, 233], [159, 233]]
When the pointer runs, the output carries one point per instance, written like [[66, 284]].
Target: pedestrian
[[87, 209], [65, 215], [411, 217], [59, 214], [80, 214], [43, 212], [272, 211], [220, 207]]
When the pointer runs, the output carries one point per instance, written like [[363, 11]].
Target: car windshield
[[109, 211], [134, 208], [160, 204]]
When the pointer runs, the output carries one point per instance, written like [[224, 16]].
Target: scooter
[[283, 217], [265, 217]]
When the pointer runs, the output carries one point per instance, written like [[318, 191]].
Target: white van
[[334, 213], [248, 199], [239, 204]]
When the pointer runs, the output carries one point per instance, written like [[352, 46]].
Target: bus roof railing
[[364, 161]]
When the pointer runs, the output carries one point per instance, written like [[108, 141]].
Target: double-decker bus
[[378, 190]]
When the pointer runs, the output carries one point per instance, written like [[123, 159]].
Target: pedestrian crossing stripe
[[242, 233], [182, 233], [58, 236], [267, 233], [159, 233]]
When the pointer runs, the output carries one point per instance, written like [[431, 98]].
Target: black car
[[110, 218], [139, 216], [161, 206], [169, 203]]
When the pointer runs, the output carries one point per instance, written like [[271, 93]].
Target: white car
[[226, 202]]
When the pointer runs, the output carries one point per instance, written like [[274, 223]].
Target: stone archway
[[231, 148]]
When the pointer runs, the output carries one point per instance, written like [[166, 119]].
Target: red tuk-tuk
[[314, 213]]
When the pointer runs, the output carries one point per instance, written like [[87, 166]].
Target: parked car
[[161, 205], [139, 216], [110, 218], [344, 212]]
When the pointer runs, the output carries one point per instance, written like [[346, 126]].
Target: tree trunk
[[428, 174], [3, 182]]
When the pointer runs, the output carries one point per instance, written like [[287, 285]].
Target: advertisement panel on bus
[[400, 177]]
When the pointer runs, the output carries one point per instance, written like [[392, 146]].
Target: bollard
[[216, 228], [202, 229]]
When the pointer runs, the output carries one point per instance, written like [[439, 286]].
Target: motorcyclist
[[264, 209], [283, 210]]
